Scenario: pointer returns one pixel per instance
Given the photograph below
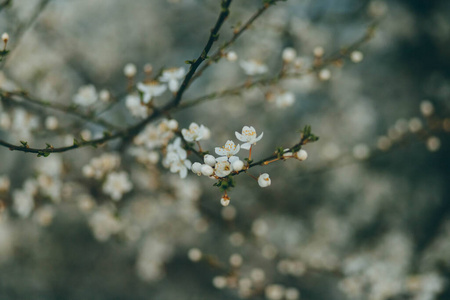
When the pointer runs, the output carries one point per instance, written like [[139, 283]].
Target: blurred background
[[366, 216]]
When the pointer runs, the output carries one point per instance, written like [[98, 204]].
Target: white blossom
[[176, 159], [285, 99], [231, 56], [117, 184], [222, 169], [5, 37], [289, 54], [155, 136], [51, 123], [248, 136], [225, 200], [23, 203], [209, 160], [237, 165], [195, 132], [4, 184], [172, 77], [356, 56], [197, 168], [86, 96], [207, 170], [264, 180], [99, 166], [136, 108], [104, 224], [151, 90], [129, 70], [324, 74], [195, 254], [253, 67], [301, 155], [228, 150]]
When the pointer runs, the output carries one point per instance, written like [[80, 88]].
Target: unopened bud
[[129, 70], [5, 37]]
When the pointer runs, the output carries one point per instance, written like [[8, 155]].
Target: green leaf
[[43, 153]]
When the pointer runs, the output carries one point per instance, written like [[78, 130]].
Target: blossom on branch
[[248, 136], [253, 67], [172, 77], [195, 133], [86, 96], [117, 184], [176, 159], [151, 90], [134, 105], [229, 150], [264, 180]]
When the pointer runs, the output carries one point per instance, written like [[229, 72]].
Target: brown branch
[[56, 106], [218, 53], [203, 56], [333, 58]]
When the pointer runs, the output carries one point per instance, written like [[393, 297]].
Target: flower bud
[[225, 200], [356, 56], [129, 70], [197, 168], [237, 165], [318, 51], [207, 170], [148, 68], [264, 180], [232, 56], [301, 155], [173, 124], [289, 54], [5, 37], [210, 160]]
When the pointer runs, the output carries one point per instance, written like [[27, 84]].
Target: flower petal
[[246, 146], [240, 137], [220, 151]]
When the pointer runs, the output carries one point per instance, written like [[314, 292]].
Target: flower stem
[[199, 147], [270, 161]]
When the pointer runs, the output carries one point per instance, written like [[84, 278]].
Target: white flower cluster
[[176, 159], [227, 161], [116, 183], [22, 123], [86, 96], [23, 200], [157, 136], [152, 89], [196, 133], [98, 167], [253, 67], [152, 138], [104, 224]]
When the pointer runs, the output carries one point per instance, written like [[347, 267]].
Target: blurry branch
[[4, 4], [23, 27], [72, 110], [336, 57], [129, 133], [214, 36], [237, 33], [407, 140], [282, 154]]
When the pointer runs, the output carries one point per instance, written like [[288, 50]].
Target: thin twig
[[56, 106]]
